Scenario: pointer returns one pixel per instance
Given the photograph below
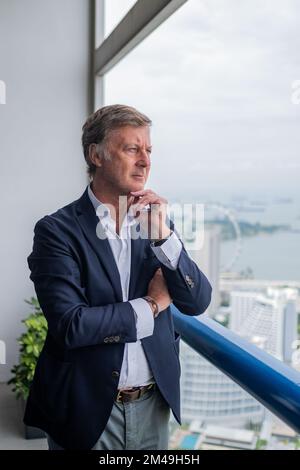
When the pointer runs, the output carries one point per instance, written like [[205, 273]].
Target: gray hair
[[98, 126]]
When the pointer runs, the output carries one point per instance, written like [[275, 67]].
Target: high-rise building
[[269, 320], [241, 303], [207, 257], [207, 394]]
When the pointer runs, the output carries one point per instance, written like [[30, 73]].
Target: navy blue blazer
[[78, 286]]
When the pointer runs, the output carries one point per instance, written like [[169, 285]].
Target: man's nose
[[144, 158]]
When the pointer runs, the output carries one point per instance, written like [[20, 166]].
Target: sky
[[216, 80]]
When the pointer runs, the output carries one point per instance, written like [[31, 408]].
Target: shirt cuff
[[169, 252], [144, 318]]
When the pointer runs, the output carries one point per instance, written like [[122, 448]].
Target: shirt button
[[115, 373]]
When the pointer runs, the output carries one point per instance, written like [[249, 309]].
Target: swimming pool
[[189, 441]]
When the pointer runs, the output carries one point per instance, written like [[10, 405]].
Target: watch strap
[[154, 304]]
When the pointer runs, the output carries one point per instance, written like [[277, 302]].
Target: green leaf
[[31, 343]]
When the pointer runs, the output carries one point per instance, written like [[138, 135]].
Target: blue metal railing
[[270, 381]]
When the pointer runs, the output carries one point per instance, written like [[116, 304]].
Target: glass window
[[115, 10], [220, 80]]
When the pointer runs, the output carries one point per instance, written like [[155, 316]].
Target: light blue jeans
[[142, 424]]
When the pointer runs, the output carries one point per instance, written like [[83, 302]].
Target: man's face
[[128, 169]]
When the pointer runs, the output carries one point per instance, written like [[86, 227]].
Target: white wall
[[44, 48]]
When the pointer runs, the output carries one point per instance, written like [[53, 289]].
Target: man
[[109, 370]]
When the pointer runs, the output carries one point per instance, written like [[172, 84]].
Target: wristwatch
[[160, 242], [153, 304]]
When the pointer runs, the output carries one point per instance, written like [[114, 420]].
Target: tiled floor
[[11, 426]]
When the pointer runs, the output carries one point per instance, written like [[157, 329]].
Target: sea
[[270, 256]]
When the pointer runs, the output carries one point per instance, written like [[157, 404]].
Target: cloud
[[216, 78]]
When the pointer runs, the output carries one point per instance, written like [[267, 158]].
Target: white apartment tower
[[207, 394], [269, 320]]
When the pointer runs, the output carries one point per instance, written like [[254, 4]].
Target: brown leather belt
[[134, 393]]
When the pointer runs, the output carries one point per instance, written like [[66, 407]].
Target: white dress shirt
[[135, 370]]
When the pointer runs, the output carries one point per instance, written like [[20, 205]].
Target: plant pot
[[31, 432]]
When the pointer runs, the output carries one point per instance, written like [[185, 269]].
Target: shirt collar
[[105, 212]]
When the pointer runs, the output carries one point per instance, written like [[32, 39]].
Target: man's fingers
[[156, 206], [142, 192], [158, 272], [151, 194], [142, 203]]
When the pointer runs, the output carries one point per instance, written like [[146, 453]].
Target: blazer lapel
[[89, 223]]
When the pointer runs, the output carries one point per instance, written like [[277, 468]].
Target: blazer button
[[115, 373]]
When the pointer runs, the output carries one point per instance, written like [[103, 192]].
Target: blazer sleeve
[[188, 286], [55, 273]]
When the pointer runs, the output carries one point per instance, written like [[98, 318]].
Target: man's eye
[[132, 149]]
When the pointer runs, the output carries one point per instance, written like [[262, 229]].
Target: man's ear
[[94, 156]]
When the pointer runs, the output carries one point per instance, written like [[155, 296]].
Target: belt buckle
[[144, 389], [139, 389], [119, 398]]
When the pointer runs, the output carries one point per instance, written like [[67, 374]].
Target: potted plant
[[31, 343]]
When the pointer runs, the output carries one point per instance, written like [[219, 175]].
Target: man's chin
[[131, 188], [137, 185]]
